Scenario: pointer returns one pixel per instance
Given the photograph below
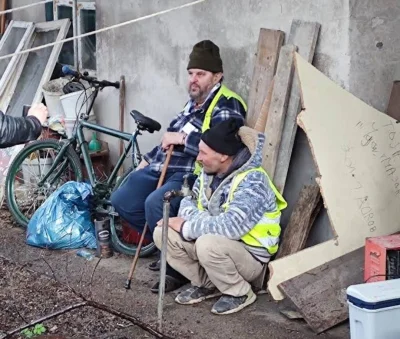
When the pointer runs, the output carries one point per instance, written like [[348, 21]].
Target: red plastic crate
[[376, 256], [131, 236]]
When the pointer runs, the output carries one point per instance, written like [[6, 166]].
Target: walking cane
[[136, 258]]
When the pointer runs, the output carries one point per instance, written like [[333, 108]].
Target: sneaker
[[228, 304], [194, 295]]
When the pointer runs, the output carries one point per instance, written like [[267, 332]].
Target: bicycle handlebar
[[103, 83]]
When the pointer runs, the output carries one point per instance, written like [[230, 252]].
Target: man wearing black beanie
[[210, 102], [229, 229]]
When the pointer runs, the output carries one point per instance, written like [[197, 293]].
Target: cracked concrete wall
[[153, 54]]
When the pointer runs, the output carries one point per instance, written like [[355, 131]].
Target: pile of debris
[[338, 172]]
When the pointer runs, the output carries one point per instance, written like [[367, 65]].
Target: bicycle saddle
[[145, 123]]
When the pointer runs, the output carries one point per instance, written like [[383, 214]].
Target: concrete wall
[[375, 49], [153, 54], [358, 48], [33, 14]]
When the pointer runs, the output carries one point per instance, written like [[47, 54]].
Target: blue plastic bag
[[63, 221]]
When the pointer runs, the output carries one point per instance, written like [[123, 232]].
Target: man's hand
[[175, 223], [39, 111], [142, 165], [172, 138]]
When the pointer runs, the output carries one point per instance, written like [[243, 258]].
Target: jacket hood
[[255, 143]]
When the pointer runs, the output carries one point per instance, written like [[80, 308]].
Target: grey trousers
[[212, 261]]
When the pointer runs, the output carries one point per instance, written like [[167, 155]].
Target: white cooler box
[[374, 310]]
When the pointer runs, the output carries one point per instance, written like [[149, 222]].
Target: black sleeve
[[14, 131]]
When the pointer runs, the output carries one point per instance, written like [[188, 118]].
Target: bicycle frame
[[131, 138], [79, 136]]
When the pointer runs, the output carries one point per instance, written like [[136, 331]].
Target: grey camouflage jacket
[[252, 198]]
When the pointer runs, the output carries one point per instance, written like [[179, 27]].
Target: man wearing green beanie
[[210, 102], [228, 229]]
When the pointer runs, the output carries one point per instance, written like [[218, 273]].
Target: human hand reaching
[[39, 111]]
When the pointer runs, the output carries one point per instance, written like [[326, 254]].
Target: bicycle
[[53, 162]]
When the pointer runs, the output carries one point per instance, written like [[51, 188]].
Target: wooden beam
[[278, 107], [393, 109], [263, 117], [300, 223], [269, 45], [3, 7], [320, 294], [304, 35]]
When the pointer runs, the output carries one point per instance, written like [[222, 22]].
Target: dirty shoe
[[228, 304], [194, 295]]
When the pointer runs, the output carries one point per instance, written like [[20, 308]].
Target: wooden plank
[[303, 216], [320, 294], [360, 181], [393, 109], [304, 35], [269, 45], [278, 107], [263, 117], [3, 7]]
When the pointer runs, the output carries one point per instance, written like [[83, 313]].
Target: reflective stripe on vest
[[267, 231], [227, 93]]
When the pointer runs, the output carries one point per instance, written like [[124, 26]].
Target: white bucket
[[35, 168], [70, 124], [52, 92], [77, 102]]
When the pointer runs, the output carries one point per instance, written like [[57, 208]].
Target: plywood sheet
[[357, 151]]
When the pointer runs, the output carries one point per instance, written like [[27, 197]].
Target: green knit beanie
[[205, 55]]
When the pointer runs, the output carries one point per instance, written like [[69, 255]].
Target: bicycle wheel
[[119, 239], [24, 195]]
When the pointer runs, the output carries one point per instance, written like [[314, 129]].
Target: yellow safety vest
[[223, 91], [267, 231]]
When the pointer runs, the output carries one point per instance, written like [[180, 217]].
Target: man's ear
[[217, 77], [224, 157]]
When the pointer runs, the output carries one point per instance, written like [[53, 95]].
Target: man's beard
[[199, 95]]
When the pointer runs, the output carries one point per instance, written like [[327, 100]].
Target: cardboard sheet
[[357, 152]]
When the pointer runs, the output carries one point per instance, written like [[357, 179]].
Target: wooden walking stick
[[136, 258]]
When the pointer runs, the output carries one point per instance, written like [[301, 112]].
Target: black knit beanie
[[223, 138], [205, 55]]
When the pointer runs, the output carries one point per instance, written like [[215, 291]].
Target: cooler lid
[[375, 295]]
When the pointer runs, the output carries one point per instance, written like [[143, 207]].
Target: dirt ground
[[26, 296], [35, 283]]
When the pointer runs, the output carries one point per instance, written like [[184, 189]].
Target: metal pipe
[[75, 32], [163, 269], [168, 196]]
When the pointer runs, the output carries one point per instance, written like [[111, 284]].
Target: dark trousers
[[138, 200]]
